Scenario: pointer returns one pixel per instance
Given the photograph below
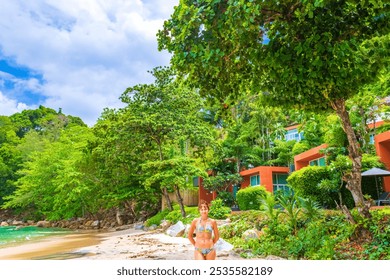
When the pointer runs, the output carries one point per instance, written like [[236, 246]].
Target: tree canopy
[[242, 71], [312, 55], [295, 52]]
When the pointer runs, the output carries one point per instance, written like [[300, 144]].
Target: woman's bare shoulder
[[194, 221]]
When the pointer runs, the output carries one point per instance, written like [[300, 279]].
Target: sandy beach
[[115, 245]]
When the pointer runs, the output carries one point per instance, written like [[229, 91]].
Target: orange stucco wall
[[265, 173], [292, 127], [375, 124], [302, 160], [205, 194], [382, 147]]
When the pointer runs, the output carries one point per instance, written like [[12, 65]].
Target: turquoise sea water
[[11, 234]]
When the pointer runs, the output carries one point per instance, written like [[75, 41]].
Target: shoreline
[[111, 245], [49, 247]]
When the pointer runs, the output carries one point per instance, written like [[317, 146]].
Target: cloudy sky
[[78, 55]]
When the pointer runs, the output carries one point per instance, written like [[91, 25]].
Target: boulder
[[88, 223], [17, 223], [165, 224], [153, 227], [44, 224], [139, 226], [95, 224], [176, 230], [251, 234], [223, 245]]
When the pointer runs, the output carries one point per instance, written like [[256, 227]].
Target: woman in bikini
[[206, 232]]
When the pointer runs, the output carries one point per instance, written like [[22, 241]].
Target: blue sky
[[77, 55]]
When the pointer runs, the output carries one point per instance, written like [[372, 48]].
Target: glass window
[[282, 189], [255, 180], [372, 139], [318, 162], [280, 183], [195, 181], [293, 134]]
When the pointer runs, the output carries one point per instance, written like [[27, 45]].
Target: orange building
[[313, 156], [382, 147], [204, 194], [273, 178]]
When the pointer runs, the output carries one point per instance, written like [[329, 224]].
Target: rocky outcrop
[[107, 221], [44, 224]]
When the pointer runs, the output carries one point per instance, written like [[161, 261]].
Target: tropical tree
[[311, 55], [175, 173], [10, 157], [51, 185], [114, 166], [166, 116]]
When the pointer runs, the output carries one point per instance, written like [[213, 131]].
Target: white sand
[[136, 244], [118, 245]]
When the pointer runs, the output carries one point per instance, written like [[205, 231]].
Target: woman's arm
[[191, 232], [216, 232]]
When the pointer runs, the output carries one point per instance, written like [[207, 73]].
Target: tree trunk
[[164, 189], [354, 179], [167, 199], [129, 206], [180, 200], [238, 164], [119, 220]]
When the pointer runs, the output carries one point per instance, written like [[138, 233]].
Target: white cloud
[[88, 52], [9, 106], [17, 87]]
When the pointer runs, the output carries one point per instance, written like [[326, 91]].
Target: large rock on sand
[[223, 245], [176, 230]]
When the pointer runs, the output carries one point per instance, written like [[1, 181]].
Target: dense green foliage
[[218, 210], [173, 216], [300, 230], [310, 55], [242, 71], [327, 237], [249, 198], [324, 184], [126, 161], [314, 182], [32, 143]]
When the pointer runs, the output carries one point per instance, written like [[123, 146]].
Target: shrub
[[218, 210], [173, 216], [318, 184], [227, 198], [312, 242], [249, 198], [156, 219], [240, 223], [379, 226]]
